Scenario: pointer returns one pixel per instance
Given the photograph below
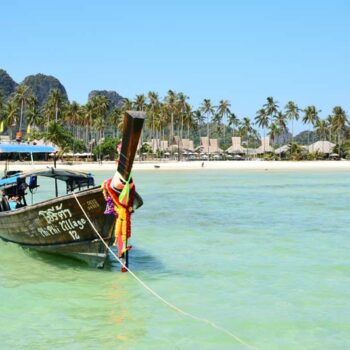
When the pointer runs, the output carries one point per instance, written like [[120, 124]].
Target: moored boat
[[59, 225]]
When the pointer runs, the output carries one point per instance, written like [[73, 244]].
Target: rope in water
[[154, 293]]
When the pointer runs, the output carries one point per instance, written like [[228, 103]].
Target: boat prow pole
[[133, 123]]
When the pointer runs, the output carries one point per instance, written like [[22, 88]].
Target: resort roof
[[322, 147], [282, 149]]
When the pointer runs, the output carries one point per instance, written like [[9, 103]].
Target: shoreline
[[325, 165]]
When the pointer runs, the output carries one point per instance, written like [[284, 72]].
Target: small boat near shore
[[59, 225]]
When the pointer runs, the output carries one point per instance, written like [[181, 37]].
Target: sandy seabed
[[343, 165]]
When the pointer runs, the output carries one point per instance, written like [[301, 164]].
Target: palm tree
[[182, 105], [171, 100], [339, 122], [274, 131], [55, 102], [11, 114], [56, 134], [101, 106], [73, 116], [247, 129], [21, 98], [140, 102], [2, 110], [198, 119], [310, 117], [114, 119], [34, 117], [2, 103], [233, 121], [292, 113], [280, 120], [330, 124], [140, 105], [127, 105], [262, 120], [153, 109], [189, 119], [208, 110], [271, 107], [223, 110], [99, 125], [88, 117], [321, 128]]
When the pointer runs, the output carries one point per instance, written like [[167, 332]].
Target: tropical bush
[[106, 149]]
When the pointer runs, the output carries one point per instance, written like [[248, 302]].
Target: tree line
[[74, 126]]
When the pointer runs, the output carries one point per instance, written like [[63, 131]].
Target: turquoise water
[[264, 254]]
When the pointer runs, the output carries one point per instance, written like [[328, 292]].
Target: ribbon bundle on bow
[[120, 204]]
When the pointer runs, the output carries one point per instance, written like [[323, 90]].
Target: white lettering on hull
[[60, 220]]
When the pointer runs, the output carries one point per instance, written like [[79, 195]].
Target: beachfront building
[[265, 146], [209, 146], [181, 147], [283, 149], [325, 147], [159, 145], [185, 145], [236, 147]]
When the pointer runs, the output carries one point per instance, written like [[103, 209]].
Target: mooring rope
[[154, 293]]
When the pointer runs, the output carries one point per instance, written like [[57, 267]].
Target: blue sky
[[242, 51]]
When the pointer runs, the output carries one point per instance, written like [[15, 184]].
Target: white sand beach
[[253, 165]]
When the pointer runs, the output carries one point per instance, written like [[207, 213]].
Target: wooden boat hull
[[59, 226]]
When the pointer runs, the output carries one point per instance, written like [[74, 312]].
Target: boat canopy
[[25, 148], [73, 179]]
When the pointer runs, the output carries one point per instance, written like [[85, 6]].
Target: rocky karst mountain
[[7, 84], [41, 85], [114, 98]]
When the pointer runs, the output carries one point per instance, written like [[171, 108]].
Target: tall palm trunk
[[20, 120], [56, 113], [208, 135], [172, 127]]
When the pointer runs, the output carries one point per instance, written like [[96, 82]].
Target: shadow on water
[[60, 261], [139, 260]]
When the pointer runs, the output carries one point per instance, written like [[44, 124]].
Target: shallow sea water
[[264, 254]]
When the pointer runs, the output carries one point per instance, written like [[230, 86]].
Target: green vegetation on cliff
[[7, 84]]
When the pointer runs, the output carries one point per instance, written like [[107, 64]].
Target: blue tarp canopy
[[24, 148]]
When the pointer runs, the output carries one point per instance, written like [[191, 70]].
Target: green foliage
[[108, 148], [61, 137], [295, 152], [269, 156], [345, 147], [146, 148], [315, 156], [342, 149], [78, 146]]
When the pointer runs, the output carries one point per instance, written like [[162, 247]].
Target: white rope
[[172, 306]]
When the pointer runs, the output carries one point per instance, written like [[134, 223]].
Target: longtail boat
[[59, 225]]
